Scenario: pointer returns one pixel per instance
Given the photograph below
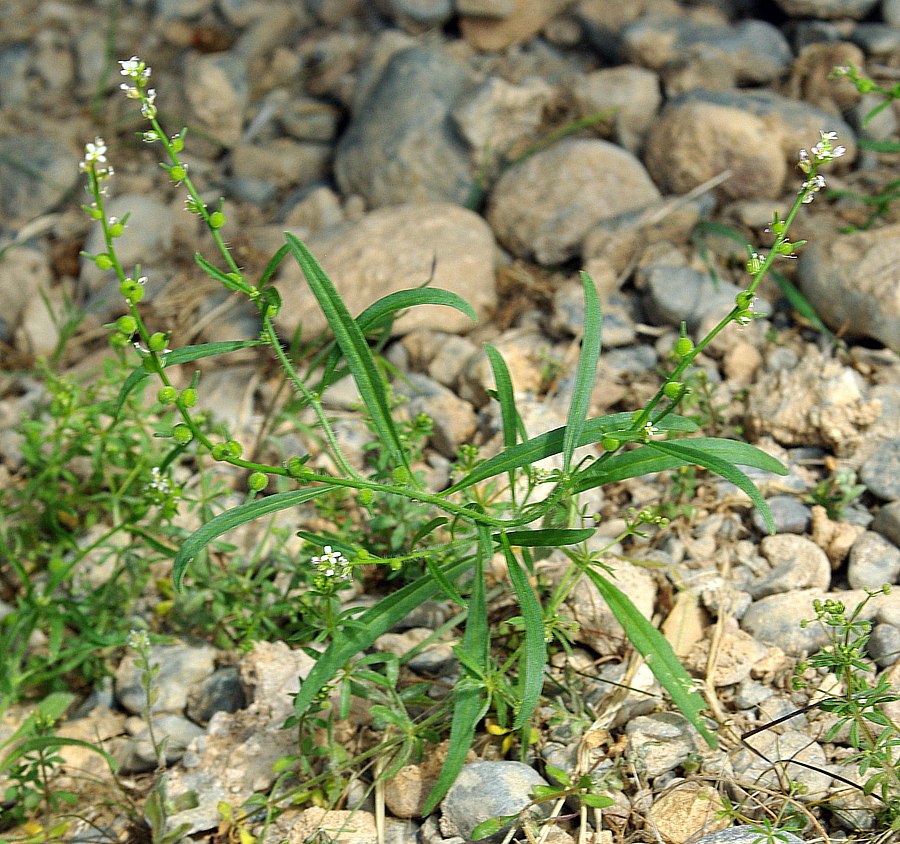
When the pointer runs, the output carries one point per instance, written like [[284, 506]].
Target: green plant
[[837, 492], [529, 509], [859, 706]]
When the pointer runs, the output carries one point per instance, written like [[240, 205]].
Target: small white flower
[[648, 430], [332, 564], [130, 66], [829, 136]]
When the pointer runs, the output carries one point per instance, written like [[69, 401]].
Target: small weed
[[837, 492]]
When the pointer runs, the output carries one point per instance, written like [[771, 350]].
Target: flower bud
[[683, 346], [189, 397], [157, 341], [126, 324], [257, 481], [116, 229], [182, 434], [673, 389], [103, 261], [167, 395], [216, 220], [178, 172], [233, 449]]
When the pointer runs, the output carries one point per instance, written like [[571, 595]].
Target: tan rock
[[687, 812], [527, 19]]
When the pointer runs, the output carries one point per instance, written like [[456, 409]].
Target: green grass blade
[[401, 300], [534, 657], [370, 625], [273, 264], [41, 743], [509, 415], [656, 651], [801, 304], [185, 354], [470, 700], [706, 458], [235, 517], [586, 373], [356, 351], [551, 442]]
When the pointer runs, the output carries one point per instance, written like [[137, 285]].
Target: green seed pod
[[216, 220], [234, 449], [610, 443], [103, 261], [116, 230], [400, 475], [743, 300], [189, 397], [118, 341], [167, 395], [257, 481], [177, 144], [149, 365], [182, 434], [365, 497], [131, 290], [157, 341], [683, 346], [178, 172], [126, 324], [672, 389], [219, 451]]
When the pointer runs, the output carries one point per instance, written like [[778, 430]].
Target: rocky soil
[[497, 147]]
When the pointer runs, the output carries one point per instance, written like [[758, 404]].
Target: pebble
[[138, 754], [736, 654], [222, 691], [37, 172], [396, 249], [754, 51], [881, 472], [453, 418], [744, 835], [485, 790], [887, 522], [217, 88], [418, 15], [751, 771], [686, 810], [789, 514], [400, 145], [827, 9], [855, 282], [282, 163], [497, 116], [884, 644], [660, 742], [874, 561], [631, 91], [498, 32], [797, 563], [545, 205], [676, 294]]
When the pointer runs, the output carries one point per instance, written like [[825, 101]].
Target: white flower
[[130, 66], [829, 136], [94, 154], [332, 564], [648, 430], [158, 482]]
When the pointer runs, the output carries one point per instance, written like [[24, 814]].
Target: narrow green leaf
[[401, 300], [723, 468], [53, 742], [185, 354], [486, 829], [597, 801], [218, 275], [801, 304], [370, 625], [470, 701], [273, 264], [534, 657], [545, 537], [558, 774], [586, 373], [235, 517], [656, 651], [551, 442], [509, 415], [356, 351]]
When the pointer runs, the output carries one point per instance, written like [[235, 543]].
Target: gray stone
[[485, 790], [217, 88], [854, 280], [417, 15], [486, 8], [631, 360], [887, 522], [881, 472], [182, 9], [683, 293], [498, 116], [139, 755], [874, 561], [309, 119], [789, 514], [754, 51], [791, 745], [15, 60], [282, 162], [545, 205], [394, 249], [744, 835], [453, 419], [180, 667], [23, 273], [220, 692], [827, 9], [36, 172], [400, 145], [630, 92], [797, 563], [884, 644], [660, 742]]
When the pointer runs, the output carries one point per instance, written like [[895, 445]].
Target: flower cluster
[[332, 565], [94, 160], [823, 152], [139, 73]]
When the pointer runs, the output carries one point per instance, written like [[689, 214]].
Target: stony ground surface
[[497, 147]]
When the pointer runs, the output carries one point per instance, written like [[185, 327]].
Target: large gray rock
[[744, 835], [217, 88], [544, 206], [854, 282], [36, 172], [400, 145], [393, 249]]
